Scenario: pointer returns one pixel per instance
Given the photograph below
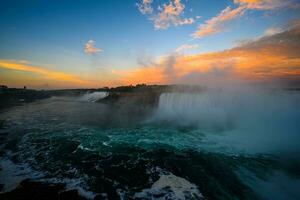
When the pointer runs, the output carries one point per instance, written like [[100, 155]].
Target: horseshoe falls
[[170, 145]]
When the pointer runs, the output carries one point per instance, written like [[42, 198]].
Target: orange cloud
[[53, 76], [90, 48], [271, 57], [263, 4], [145, 7], [185, 47], [216, 24], [167, 14], [171, 15], [150, 75]]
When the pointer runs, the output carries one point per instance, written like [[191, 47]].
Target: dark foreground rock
[[30, 190]]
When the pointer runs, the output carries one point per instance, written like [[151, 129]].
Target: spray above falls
[[251, 116]]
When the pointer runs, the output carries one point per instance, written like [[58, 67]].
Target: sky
[[54, 44]]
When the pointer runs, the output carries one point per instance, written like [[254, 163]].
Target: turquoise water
[[249, 152]]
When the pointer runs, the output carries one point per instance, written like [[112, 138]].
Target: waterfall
[[93, 97], [201, 109], [248, 116]]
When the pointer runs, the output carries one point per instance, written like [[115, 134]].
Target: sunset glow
[[150, 99], [245, 39]]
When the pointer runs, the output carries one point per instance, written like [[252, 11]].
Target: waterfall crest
[[200, 109], [93, 96]]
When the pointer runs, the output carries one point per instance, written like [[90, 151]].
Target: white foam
[[11, 175], [74, 184], [170, 187]]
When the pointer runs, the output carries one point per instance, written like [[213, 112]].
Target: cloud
[[145, 7], [170, 14], [90, 49], [185, 47], [145, 59], [272, 31], [166, 15], [269, 58], [263, 4], [45, 73], [285, 43], [217, 23]]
